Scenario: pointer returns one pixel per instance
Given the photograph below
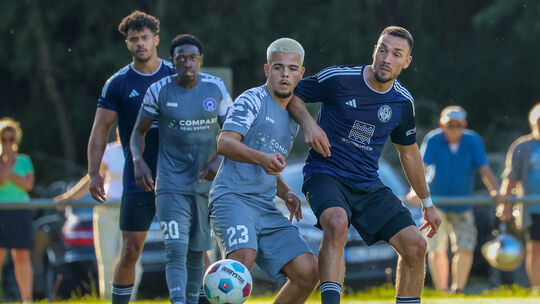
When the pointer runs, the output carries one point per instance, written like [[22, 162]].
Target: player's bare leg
[[302, 277], [132, 246], [411, 247], [335, 226], [245, 256]]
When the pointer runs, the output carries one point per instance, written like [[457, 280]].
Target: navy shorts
[[137, 211], [376, 213], [534, 231], [16, 231]]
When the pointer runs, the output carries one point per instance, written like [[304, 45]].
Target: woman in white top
[[107, 237]]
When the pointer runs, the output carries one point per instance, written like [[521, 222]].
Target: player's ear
[[156, 40], [407, 62], [266, 69], [201, 61]]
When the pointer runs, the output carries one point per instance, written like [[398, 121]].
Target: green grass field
[[348, 300], [384, 295]]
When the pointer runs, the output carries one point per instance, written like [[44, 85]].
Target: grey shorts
[[239, 222], [459, 228], [184, 217]]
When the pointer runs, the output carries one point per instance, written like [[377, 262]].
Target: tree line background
[[56, 56]]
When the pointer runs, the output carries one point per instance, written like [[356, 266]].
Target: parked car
[[64, 259], [365, 265]]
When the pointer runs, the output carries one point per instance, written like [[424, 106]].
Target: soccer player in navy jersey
[[361, 107], [121, 99]]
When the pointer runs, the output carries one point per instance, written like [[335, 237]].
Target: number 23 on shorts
[[237, 235]]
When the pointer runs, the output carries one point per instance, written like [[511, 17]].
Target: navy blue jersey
[[124, 93], [357, 121]]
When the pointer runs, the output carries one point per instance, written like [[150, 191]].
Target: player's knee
[[416, 250], [245, 256], [310, 276], [131, 250], [336, 228]]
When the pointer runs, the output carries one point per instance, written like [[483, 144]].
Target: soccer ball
[[227, 282]]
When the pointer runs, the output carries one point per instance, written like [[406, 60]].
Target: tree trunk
[[51, 88]]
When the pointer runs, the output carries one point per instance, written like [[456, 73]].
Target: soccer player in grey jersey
[[257, 136], [189, 108]]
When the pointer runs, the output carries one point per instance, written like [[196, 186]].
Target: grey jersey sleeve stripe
[[245, 110], [151, 98]]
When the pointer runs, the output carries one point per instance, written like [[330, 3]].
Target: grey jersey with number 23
[[266, 127]]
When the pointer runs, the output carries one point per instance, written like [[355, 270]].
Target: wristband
[[426, 202]]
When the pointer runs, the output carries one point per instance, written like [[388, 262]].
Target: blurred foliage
[[473, 53]]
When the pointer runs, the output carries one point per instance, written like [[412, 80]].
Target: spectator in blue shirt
[[522, 177], [452, 154]]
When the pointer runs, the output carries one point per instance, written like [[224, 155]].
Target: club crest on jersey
[[361, 132], [385, 113], [210, 104]]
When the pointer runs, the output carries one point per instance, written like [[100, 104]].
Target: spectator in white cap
[[452, 154]]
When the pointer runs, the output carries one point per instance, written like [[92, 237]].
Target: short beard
[[144, 59], [382, 80], [282, 95]]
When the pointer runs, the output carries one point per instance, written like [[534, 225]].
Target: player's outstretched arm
[[103, 121], [292, 201], [143, 174], [231, 146], [314, 136], [413, 166]]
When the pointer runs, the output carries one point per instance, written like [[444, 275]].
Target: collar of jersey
[[367, 84], [142, 74]]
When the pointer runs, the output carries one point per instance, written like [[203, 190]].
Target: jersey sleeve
[[225, 103], [310, 89], [150, 105], [480, 157], [243, 113], [405, 133], [110, 95], [26, 165]]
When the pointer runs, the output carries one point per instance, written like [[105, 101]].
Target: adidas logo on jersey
[[133, 93], [351, 103]]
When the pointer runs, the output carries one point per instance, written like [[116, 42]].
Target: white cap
[[453, 113]]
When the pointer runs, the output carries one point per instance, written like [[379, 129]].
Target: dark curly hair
[[185, 39], [137, 21]]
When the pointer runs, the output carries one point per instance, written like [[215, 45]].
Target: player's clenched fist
[[273, 163]]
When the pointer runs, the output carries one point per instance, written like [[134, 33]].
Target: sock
[[194, 266], [175, 270], [330, 293], [121, 293], [407, 300], [202, 297]]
